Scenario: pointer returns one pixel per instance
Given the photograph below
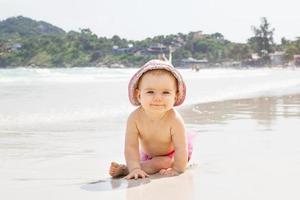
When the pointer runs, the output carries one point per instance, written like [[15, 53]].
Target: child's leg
[[156, 164], [149, 166]]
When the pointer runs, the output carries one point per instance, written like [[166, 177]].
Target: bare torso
[[155, 136]]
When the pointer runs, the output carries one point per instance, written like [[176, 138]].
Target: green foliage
[[25, 42], [239, 51], [291, 48], [262, 41], [24, 27]]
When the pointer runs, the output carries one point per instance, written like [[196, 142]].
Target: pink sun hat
[[153, 65]]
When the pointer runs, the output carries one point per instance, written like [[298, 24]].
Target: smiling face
[[157, 91]]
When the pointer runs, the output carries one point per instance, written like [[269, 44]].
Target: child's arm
[[180, 145], [132, 155]]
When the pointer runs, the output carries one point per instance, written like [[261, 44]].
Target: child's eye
[[150, 92], [166, 92]]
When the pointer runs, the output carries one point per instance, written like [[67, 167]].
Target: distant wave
[[222, 84], [63, 74]]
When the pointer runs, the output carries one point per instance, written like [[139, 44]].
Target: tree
[[292, 48], [262, 41], [217, 36]]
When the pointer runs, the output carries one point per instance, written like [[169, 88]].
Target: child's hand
[[169, 172], [136, 173]]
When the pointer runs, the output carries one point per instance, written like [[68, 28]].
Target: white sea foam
[[91, 74], [32, 97], [215, 85]]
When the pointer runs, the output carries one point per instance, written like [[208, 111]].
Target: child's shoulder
[[134, 114], [175, 116], [176, 121]]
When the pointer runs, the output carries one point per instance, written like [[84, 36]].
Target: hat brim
[[154, 65]]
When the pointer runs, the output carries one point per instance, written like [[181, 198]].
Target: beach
[[61, 128]]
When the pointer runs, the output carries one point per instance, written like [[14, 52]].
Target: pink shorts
[[190, 137]]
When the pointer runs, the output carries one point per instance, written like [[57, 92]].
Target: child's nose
[[157, 97]]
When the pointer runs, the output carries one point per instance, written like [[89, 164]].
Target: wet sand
[[244, 149]]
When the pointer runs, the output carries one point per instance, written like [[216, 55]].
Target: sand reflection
[[264, 110]]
